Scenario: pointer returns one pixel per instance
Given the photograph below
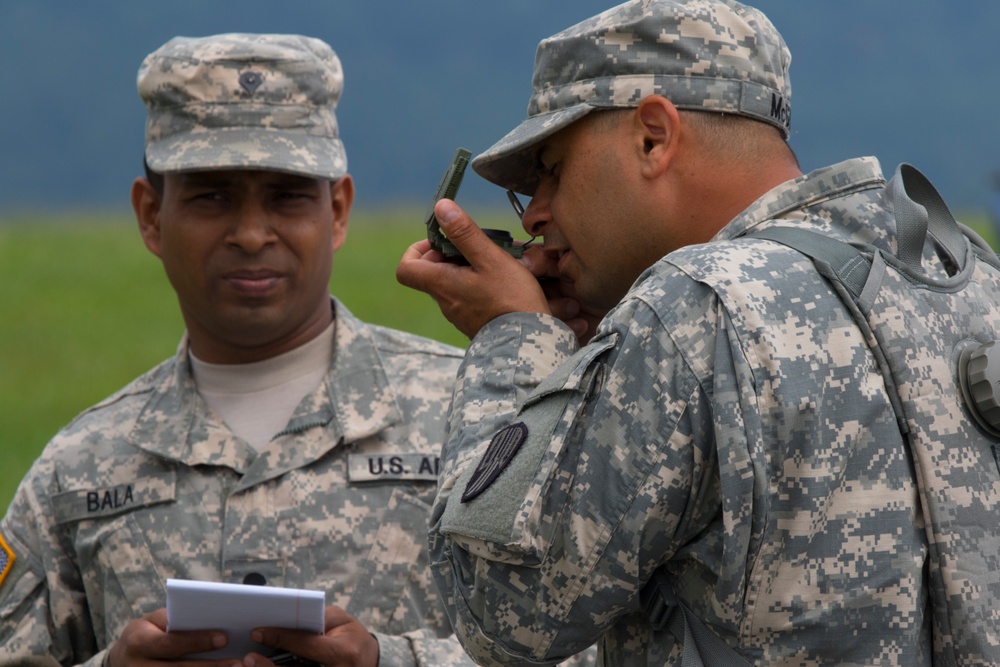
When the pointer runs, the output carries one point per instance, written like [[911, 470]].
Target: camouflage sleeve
[[545, 530], [421, 649], [43, 611]]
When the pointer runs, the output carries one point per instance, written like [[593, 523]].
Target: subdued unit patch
[[502, 450]]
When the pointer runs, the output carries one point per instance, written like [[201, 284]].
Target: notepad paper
[[236, 609]]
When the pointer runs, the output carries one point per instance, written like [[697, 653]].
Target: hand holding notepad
[[237, 609]]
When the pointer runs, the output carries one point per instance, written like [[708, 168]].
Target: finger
[[416, 251], [564, 308], [256, 660], [334, 616], [347, 643], [542, 263], [146, 639], [186, 643], [178, 644], [569, 311], [282, 638], [581, 328], [466, 236], [423, 270], [158, 618]]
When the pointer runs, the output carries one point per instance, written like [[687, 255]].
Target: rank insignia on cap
[[6, 559], [250, 81], [501, 451]]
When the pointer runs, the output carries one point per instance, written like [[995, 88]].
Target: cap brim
[[242, 148], [510, 163]]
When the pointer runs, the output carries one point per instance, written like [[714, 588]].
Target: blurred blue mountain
[[904, 80]]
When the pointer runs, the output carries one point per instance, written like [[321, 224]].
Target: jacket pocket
[[394, 593], [120, 574]]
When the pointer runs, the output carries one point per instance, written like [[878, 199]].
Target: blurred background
[[84, 308], [904, 80]]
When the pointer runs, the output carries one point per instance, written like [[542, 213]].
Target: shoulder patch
[[7, 559], [500, 452]]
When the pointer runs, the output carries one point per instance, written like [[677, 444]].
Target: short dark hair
[[741, 137], [725, 133]]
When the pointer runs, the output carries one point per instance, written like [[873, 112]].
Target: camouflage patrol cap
[[708, 55], [243, 101]]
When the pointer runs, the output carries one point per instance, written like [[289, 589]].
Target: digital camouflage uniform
[[727, 423], [150, 485]]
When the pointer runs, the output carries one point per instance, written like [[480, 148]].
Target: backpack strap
[[701, 646], [919, 210], [856, 272], [835, 260]]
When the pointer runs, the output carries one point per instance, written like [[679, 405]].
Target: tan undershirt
[[257, 400]]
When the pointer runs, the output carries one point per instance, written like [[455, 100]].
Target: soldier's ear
[[341, 199], [146, 205], [657, 134]]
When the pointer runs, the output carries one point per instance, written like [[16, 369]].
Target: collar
[[818, 186], [354, 401]]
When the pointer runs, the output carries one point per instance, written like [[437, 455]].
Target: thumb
[[464, 234]]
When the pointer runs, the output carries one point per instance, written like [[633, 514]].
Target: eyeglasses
[[519, 210], [516, 203]]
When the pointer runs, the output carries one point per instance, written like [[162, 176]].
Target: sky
[[904, 80]]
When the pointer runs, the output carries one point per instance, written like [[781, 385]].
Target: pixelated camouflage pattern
[[920, 320], [708, 55], [243, 101], [176, 494], [727, 423]]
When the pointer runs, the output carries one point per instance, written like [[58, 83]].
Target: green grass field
[[85, 308]]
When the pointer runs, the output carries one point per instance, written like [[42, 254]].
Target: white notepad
[[236, 609]]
